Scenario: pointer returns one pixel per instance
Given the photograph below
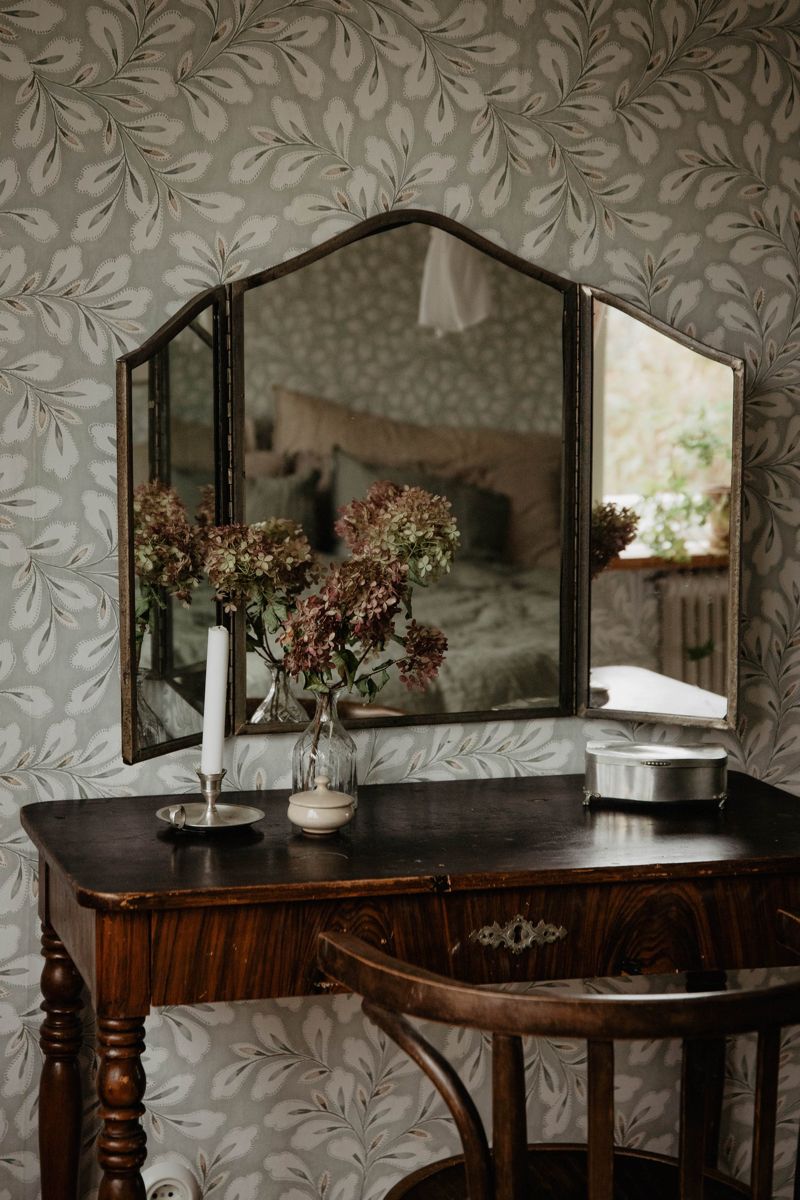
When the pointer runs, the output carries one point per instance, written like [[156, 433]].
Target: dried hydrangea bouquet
[[339, 630], [344, 637]]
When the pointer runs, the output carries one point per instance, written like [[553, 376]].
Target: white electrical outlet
[[170, 1180]]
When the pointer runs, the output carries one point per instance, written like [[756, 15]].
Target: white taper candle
[[214, 701]]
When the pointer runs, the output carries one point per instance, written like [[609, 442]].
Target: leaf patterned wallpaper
[[150, 149]]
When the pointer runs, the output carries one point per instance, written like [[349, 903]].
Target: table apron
[[258, 951]]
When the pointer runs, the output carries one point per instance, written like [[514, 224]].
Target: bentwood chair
[[392, 991]]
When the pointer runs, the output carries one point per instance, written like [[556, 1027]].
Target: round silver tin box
[[652, 773]]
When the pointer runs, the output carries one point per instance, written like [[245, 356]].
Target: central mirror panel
[[415, 357]]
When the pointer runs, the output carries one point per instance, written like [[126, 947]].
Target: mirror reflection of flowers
[[398, 538], [613, 528], [261, 569], [167, 553]]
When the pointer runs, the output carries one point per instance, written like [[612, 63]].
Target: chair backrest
[[393, 990]]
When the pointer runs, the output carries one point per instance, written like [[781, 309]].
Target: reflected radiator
[[694, 628]]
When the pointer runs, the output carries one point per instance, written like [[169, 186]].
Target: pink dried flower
[[367, 597], [405, 524], [425, 650], [310, 637]]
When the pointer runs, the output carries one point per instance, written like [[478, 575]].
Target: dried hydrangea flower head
[[425, 648], [398, 537], [257, 563], [367, 595], [396, 523], [167, 553], [357, 606], [166, 549], [262, 568], [613, 528], [310, 638]]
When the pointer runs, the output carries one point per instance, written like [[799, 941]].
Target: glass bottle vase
[[325, 750], [280, 706]]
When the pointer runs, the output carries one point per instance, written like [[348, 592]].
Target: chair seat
[[558, 1172]]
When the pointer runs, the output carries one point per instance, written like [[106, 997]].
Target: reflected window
[[663, 418]]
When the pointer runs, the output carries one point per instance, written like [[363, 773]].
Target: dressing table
[[486, 880]]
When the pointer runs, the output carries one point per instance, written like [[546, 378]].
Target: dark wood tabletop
[[418, 837]]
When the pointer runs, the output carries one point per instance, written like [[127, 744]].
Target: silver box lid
[[657, 754]]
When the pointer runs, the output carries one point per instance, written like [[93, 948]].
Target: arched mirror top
[[397, 219]]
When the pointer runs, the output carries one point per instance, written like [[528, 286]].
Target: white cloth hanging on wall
[[456, 292]]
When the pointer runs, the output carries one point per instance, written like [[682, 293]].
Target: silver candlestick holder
[[208, 815], [210, 789]]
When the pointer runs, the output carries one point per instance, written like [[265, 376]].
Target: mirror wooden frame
[[217, 300], [227, 303], [572, 440], [588, 297]]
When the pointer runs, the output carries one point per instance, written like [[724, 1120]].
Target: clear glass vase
[[325, 750], [280, 706]]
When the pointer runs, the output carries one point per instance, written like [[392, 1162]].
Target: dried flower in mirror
[[206, 512], [613, 528], [167, 552], [262, 568]]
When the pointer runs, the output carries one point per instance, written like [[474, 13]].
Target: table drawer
[[609, 929], [247, 952]]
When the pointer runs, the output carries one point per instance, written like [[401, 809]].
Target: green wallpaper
[[149, 150]]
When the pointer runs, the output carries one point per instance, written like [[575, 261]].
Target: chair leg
[[712, 981], [510, 1132]]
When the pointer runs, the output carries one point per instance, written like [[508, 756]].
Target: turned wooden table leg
[[60, 1106], [120, 1087]]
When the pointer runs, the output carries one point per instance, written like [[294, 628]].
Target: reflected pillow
[[481, 515], [291, 496], [525, 467]]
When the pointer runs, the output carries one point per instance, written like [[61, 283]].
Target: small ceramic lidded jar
[[320, 811]]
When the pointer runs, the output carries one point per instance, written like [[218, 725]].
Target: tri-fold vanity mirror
[[563, 426]]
